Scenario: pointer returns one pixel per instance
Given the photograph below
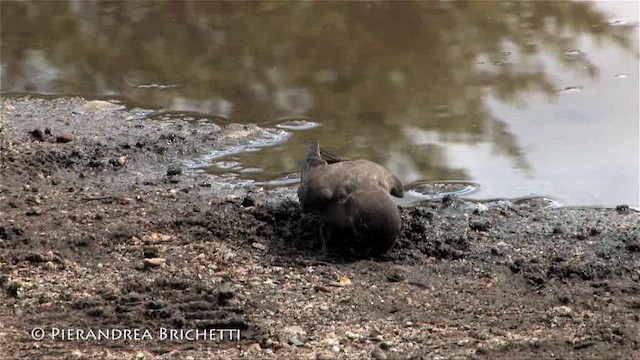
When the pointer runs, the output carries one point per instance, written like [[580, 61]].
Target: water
[[524, 99]]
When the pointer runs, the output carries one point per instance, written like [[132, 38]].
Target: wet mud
[[104, 226]]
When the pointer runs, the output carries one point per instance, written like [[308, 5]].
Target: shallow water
[[525, 99]]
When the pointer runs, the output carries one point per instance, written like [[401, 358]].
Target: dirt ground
[[103, 227]]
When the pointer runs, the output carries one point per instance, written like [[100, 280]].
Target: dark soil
[[102, 226]]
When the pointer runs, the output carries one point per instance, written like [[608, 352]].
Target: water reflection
[[395, 82]]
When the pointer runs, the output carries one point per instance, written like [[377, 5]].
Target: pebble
[[562, 311], [378, 354], [48, 256], [156, 237], [331, 339], [37, 134], [101, 105], [481, 226], [254, 347], [335, 348], [295, 341], [34, 212], [351, 335], [326, 356], [259, 246], [64, 138], [174, 170], [122, 160], [294, 330], [344, 281], [153, 262], [633, 244]]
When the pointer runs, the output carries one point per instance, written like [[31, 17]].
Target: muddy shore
[[102, 226]]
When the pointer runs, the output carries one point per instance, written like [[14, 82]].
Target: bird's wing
[[366, 172], [331, 158]]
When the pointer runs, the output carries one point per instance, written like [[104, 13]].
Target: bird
[[352, 196]]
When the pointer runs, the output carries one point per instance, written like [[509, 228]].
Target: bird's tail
[[313, 157]]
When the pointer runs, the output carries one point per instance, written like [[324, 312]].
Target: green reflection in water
[[372, 73]]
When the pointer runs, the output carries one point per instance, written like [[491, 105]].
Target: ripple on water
[[297, 124], [288, 180], [574, 53], [269, 137], [435, 190], [538, 202], [226, 165], [571, 89], [617, 22]]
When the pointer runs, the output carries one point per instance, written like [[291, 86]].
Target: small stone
[[259, 246], [155, 237], [48, 256], [378, 354], [633, 244], [335, 349], [76, 354], [37, 134], [34, 212], [564, 298], [326, 356], [622, 208], [122, 160], [126, 201], [351, 335], [64, 138], [254, 347], [395, 277], [231, 198], [101, 105], [150, 252], [563, 310], [295, 341], [248, 202], [153, 262], [26, 187], [33, 200], [49, 265], [331, 339], [345, 281], [174, 170], [480, 226], [294, 330]]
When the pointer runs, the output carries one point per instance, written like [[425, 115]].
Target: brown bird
[[352, 196]]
